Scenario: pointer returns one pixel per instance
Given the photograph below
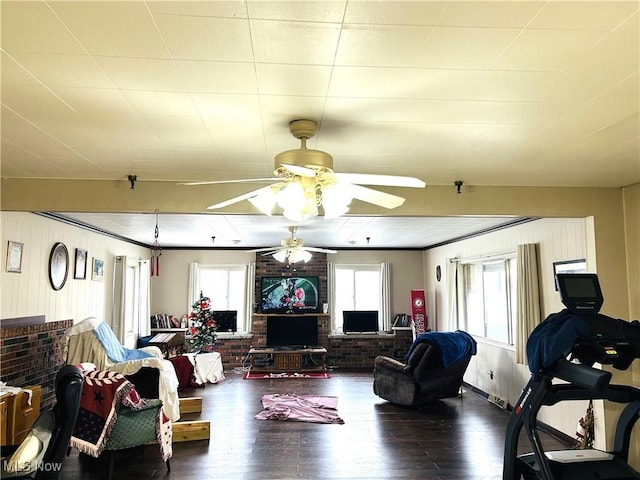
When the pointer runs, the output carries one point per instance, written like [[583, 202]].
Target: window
[[226, 287], [490, 299], [357, 287]]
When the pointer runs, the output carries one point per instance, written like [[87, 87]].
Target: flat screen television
[[359, 321], [292, 332], [290, 294], [226, 320]]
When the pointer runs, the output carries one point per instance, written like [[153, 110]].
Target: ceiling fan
[[305, 180], [291, 249]]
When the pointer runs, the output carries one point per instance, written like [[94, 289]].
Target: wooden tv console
[[289, 360]]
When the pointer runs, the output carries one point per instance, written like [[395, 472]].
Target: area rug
[[254, 375], [300, 408]]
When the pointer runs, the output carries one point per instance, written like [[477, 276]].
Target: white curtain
[[331, 294], [193, 290], [385, 303], [454, 271], [247, 320], [145, 299], [528, 297], [119, 285]]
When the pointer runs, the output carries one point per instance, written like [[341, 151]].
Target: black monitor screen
[[226, 320], [292, 331], [580, 292], [360, 321]]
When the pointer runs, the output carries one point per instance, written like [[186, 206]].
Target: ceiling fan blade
[[376, 197], [320, 250], [266, 249], [246, 180], [373, 179], [239, 198], [298, 170]]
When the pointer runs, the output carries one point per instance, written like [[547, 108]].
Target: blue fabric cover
[[553, 338], [453, 346], [115, 350]]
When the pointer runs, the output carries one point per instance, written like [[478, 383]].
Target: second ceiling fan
[[291, 249], [305, 181]]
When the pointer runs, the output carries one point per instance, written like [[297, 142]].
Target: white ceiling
[[492, 93], [251, 231]]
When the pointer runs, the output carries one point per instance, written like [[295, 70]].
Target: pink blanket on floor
[[300, 408]]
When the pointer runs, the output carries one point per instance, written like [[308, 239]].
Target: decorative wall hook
[[458, 184]]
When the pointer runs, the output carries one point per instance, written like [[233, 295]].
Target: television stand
[[288, 360]]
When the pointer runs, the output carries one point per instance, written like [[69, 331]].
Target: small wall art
[[80, 266], [97, 270], [14, 257]]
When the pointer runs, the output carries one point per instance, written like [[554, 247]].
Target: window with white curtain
[[357, 287], [489, 295], [225, 285]]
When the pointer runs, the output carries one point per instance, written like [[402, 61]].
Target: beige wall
[[169, 291], [29, 292]]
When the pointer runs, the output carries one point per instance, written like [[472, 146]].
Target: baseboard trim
[[557, 434]]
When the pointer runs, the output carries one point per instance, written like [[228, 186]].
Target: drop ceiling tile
[[113, 32], [597, 15], [381, 45], [303, 80], [206, 38], [39, 105], [236, 134], [96, 103], [218, 77], [227, 105], [180, 131], [394, 13], [142, 74], [489, 14], [546, 50], [65, 70], [511, 86], [464, 48], [218, 8], [31, 27], [376, 82], [432, 83], [161, 103], [14, 74], [301, 43], [316, 11]]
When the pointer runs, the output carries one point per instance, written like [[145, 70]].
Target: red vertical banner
[[419, 311]]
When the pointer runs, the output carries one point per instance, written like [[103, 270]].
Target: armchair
[[434, 369], [42, 452], [93, 341]]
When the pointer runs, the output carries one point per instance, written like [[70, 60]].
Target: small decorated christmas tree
[[202, 325]]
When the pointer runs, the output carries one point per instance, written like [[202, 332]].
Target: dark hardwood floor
[[457, 438]]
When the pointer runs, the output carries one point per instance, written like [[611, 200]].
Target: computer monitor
[[359, 321], [580, 292]]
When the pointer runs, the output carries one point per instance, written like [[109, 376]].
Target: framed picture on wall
[[80, 266], [14, 257], [569, 266], [97, 270], [58, 265]]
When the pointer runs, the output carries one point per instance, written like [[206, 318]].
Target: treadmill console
[[580, 292]]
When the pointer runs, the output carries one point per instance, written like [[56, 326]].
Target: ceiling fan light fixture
[[335, 200], [281, 255], [298, 255], [265, 201]]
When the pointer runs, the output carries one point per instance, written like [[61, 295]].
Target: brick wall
[[30, 353], [342, 351]]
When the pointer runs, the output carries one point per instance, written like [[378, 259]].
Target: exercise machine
[[566, 346]]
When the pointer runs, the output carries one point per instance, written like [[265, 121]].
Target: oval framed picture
[[58, 265], [438, 273]]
